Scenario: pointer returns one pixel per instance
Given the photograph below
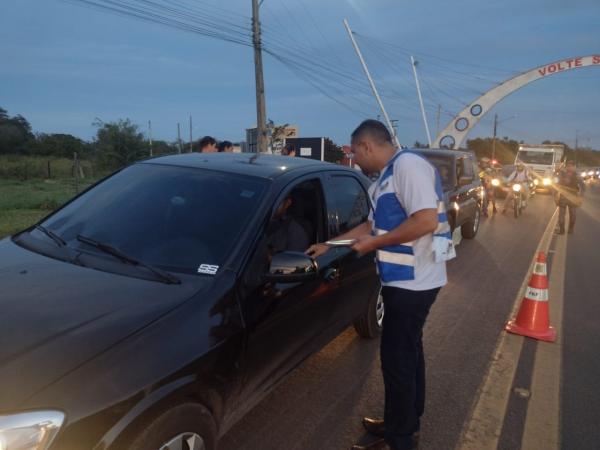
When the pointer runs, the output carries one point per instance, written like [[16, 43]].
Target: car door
[[466, 191], [286, 322], [348, 205]]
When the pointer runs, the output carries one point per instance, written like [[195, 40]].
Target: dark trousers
[[403, 362], [563, 204]]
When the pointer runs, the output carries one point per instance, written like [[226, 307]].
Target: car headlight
[[495, 182], [516, 187], [547, 181], [30, 430], [536, 181]]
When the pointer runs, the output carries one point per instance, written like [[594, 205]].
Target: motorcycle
[[518, 198]]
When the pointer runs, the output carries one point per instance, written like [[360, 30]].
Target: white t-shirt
[[414, 183]]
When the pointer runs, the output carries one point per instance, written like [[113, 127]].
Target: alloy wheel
[[185, 441]]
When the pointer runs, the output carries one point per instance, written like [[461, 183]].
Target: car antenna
[[254, 158]]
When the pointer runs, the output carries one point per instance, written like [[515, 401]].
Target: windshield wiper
[[52, 235], [106, 248]]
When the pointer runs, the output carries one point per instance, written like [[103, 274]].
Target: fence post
[[49, 170], [76, 171]]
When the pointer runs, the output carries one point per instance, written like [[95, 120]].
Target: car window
[[297, 219], [173, 217], [349, 202], [468, 168], [443, 164]]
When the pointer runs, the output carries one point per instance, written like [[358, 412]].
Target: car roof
[[260, 165], [441, 152]]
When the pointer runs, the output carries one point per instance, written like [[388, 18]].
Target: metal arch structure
[[455, 132]]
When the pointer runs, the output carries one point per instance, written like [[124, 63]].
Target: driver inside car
[[285, 231]]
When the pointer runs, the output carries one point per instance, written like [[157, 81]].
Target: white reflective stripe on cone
[[540, 269], [539, 295], [396, 258]]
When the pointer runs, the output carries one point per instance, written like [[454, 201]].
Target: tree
[[60, 145], [277, 134], [120, 143], [15, 133], [333, 152]]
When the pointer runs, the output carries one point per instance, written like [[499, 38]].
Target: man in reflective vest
[[408, 229]]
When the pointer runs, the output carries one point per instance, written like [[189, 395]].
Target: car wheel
[[470, 228], [185, 427], [370, 323]]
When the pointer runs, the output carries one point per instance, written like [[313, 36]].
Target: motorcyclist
[[486, 175], [520, 175]]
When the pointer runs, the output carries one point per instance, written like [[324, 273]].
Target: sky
[[65, 65]]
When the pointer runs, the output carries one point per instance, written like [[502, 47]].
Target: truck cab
[[543, 161]]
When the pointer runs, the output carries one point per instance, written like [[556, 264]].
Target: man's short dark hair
[[288, 149], [224, 144], [206, 141], [375, 130]]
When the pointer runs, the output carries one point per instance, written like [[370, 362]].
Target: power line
[[150, 11]]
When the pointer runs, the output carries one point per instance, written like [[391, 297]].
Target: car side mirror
[[463, 181], [291, 267]]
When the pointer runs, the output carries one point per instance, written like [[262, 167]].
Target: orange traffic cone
[[533, 319]]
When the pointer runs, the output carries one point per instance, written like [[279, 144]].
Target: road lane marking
[[542, 425], [482, 430]]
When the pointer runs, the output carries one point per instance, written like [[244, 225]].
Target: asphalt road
[[581, 340], [320, 404]]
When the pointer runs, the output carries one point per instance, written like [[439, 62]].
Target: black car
[[155, 309], [463, 192]]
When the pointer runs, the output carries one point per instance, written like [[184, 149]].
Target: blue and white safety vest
[[397, 262]]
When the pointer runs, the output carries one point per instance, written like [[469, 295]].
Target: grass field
[[23, 203]]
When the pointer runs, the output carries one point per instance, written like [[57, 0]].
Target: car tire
[[188, 426], [369, 325], [470, 228]]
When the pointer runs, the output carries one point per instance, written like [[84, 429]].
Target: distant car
[[463, 192], [152, 311]]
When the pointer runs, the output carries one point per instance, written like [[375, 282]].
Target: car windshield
[[444, 166], [176, 218], [529, 157]]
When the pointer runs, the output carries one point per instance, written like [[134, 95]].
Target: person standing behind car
[[567, 191], [208, 144], [409, 231], [225, 147], [289, 150]]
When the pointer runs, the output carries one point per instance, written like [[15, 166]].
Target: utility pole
[[191, 149], [371, 82], [576, 144], [494, 139], [394, 127], [178, 137], [150, 136], [414, 66], [261, 115]]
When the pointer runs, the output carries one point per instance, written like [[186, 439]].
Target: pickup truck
[[463, 192]]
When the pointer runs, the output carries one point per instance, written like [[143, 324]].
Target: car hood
[[55, 316]]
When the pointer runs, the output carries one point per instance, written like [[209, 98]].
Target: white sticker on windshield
[[208, 269]]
